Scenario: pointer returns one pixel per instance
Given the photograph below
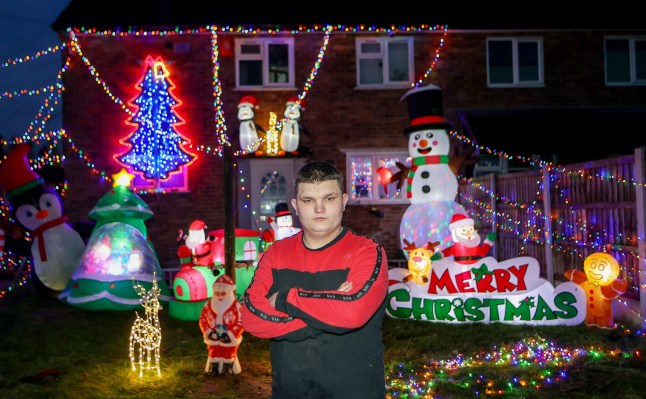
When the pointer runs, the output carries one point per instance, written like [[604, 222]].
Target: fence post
[[547, 214], [494, 212], [640, 208]]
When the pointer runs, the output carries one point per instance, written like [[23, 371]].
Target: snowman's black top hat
[[282, 209], [425, 109]]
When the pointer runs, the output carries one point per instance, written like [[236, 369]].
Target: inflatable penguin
[[292, 128], [248, 133], [56, 247]]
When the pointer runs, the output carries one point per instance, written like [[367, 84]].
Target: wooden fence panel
[[593, 209]]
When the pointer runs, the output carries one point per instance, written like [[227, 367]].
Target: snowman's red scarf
[[38, 233], [418, 161]]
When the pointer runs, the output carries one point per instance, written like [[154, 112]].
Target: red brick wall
[[337, 114]]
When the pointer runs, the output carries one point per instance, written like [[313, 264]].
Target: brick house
[[527, 91]]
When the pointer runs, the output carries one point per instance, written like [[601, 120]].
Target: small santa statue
[[290, 133], [281, 225], [248, 133], [200, 244], [466, 248], [221, 325]]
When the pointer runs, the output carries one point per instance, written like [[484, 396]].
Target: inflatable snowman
[[431, 185]]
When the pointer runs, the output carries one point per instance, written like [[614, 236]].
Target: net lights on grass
[[532, 364]]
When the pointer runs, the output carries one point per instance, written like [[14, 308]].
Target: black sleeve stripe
[[353, 297], [263, 315]]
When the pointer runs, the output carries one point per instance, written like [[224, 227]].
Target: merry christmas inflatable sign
[[510, 291]]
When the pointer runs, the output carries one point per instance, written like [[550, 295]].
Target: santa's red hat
[[17, 176], [224, 283], [197, 225], [459, 220], [249, 101], [293, 100], [282, 209]]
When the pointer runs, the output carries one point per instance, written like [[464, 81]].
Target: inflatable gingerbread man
[[221, 325], [600, 284]]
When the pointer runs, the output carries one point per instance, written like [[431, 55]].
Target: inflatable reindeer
[[419, 261]]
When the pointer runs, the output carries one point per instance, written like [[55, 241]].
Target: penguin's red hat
[[17, 175], [248, 100]]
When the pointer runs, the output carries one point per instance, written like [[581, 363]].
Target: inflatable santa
[[200, 244], [466, 248], [221, 325]]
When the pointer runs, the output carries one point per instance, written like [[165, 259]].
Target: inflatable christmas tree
[[119, 254]]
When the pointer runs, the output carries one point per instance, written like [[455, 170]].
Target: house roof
[[192, 13]]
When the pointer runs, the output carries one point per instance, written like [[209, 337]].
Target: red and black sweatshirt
[[323, 343]]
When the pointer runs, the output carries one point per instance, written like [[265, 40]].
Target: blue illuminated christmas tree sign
[[156, 148]]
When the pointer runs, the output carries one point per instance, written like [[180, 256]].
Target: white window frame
[[383, 55], [516, 82], [264, 43], [375, 155], [632, 55]]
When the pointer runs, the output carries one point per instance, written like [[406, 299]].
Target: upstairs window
[[366, 174], [515, 62], [264, 63], [625, 60], [384, 62]]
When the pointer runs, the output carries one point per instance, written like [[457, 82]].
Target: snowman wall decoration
[[56, 246], [281, 225], [290, 133], [248, 133], [431, 185]]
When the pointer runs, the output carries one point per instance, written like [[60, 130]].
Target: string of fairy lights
[[36, 133], [534, 364]]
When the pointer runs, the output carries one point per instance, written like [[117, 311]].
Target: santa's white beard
[[468, 242], [195, 238], [222, 305]]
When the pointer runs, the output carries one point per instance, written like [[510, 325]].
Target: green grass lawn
[[49, 349]]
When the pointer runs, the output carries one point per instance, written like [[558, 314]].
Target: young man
[[320, 297]]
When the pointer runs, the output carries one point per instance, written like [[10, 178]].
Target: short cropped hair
[[317, 172]]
